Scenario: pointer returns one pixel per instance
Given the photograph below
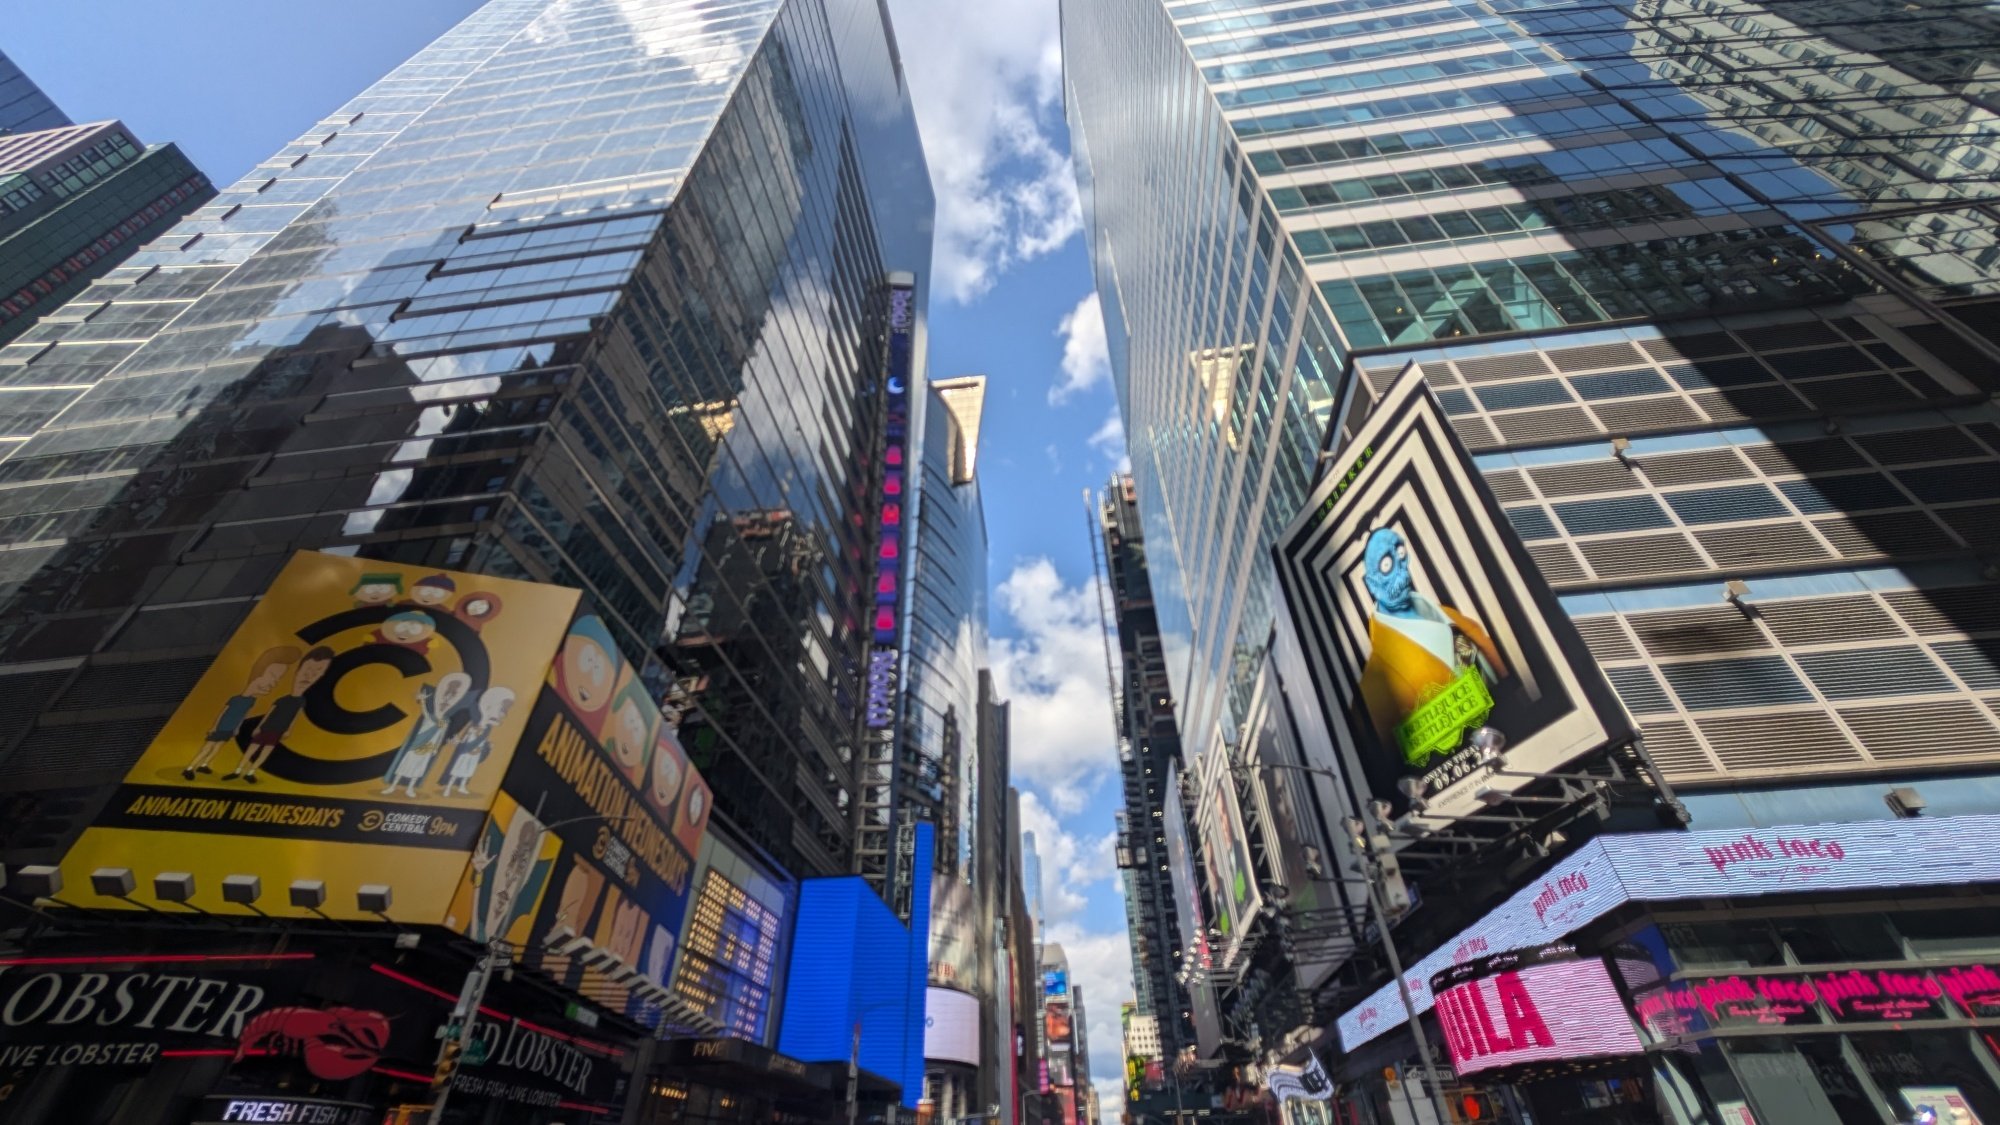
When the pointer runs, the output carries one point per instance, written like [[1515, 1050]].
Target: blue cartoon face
[[1388, 562]]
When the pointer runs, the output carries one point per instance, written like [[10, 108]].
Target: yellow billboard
[[353, 731]]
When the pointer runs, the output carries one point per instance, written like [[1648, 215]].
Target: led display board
[[1531, 1007], [1056, 1022], [893, 504], [1189, 915], [1431, 641], [729, 956], [1055, 982], [951, 1026], [1610, 871], [1847, 996]]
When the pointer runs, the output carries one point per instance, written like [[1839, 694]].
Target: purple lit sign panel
[[1610, 871], [893, 505], [1553, 1010]]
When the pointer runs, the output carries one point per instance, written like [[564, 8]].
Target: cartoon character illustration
[[380, 588], [659, 955], [1430, 668], [269, 668], [477, 609], [586, 671], [669, 771], [410, 628], [628, 733], [518, 873], [434, 709], [277, 722], [433, 591], [473, 744], [695, 817]]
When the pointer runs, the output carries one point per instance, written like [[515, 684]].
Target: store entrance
[[1616, 1099]]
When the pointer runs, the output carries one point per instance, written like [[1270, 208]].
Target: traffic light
[[447, 1064]]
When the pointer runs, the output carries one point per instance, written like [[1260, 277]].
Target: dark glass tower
[[23, 106], [591, 293]]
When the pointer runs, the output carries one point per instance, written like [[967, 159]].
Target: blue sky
[[1010, 299]]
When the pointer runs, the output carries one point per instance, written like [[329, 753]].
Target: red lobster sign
[[336, 1043]]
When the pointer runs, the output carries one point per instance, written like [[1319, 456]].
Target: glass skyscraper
[[1709, 290], [590, 292], [23, 106]]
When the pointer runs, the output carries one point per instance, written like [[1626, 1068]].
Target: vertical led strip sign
[[882, 692]]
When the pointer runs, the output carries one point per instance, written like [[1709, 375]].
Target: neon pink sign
[[1848, 996], [1553, 1010]]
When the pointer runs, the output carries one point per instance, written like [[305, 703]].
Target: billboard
[[1232, 880], [951, 1026], [1055, 982], [596, 830], [1062, 1072], [1189, 916], [728, 962], [1056, 1022], [1531, 1006], [1429, 637], [353, 730], [954, 954]]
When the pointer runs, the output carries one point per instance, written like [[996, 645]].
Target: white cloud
[[1052, 670], [1075, 863], [1102, 963], [1110, 441], [986, 80], [1086, 361]]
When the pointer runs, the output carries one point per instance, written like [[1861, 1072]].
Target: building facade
[[75, 201], [23, 106], [1706, 289]]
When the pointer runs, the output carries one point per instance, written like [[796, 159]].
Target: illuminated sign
[[269, 1108], [727, 959], [893, 503], [1610, 871], [951, 1026], [1534, 1013], [1849, 996], [1055, 982]]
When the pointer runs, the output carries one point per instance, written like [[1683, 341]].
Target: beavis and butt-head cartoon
[[266, 672]]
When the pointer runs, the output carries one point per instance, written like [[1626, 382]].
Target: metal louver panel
[[1979, 525], [1697, 467], [1751, 402], [1641, 554], [1849, 492], [1583, 477], [1380, 378], [1710, 374], [1796, 334], [1596, 355], [1640, 690], [1857, 390], [1557, 563], [1845, 360], [1545, 425], [1944, 484], [1785, 743], [1697, 632], [1692, 346], [1455, 401], [1513, 396], [1620, 384], [1621, 513], [1763, 545], [1474, 432], [1646, 414], [1946, 729], [1727, 505], [1976, 662], [1900, 534], [1532, 522], [162, 683], [1438, 374], [1606, 639], [1828, 620], [1816, 455], [1513, 366], [1948, 609], [1871, 672], [83, 748], [1508, 485], [1743, 681], [1908, 447], [1675, 750]]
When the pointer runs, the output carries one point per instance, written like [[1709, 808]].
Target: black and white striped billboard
[[1428, 635]]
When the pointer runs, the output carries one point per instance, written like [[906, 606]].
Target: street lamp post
[[1372, 870]]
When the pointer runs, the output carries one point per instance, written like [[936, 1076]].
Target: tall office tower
[[1149, 753], [1709, 291], [1060, 1023], [77, 200], [593, 292], [23, 106]]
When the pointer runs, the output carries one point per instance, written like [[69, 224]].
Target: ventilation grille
[[1545, 425], [1644, 554], [1474, 432], [1975, 662], [1826, 620], [1676, 752], [1622, 513], [1944, 729], [1438, 374], [1798, 334], [1819, 455], [1646, 414], [1943, 443], [1891, 533], [1744, 681], [1873, 672], [1502, 367], [1640, 690], [1690, 347], [1620, 384], [1583, 477], [1861, 390], [1769, 545], [1557, 563], [1532, 523], [1606, 639], [1727, 505], [1599, 355], [160, 683], [1698, 467], [1952, 609], [1778, 743], [1508, 485], [1854, 492], [1978, 526], [84, 748], [1514, 396], [1697, 632], [1750, 402]]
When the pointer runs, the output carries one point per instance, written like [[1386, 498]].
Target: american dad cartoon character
[[412, 762], [1418, 651], [277, 722], [265, 674], [474, 743]]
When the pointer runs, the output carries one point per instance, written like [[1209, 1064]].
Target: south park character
[[628, 733], [376, 589], [277, 722], [669, 769], [433, 592], [269, 668], [434, 707], [474, 742], [477, 609], [587, 670], [695, 815], [1416, 647], [411, 629]]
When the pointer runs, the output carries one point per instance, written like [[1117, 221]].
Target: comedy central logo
[[337, 720]]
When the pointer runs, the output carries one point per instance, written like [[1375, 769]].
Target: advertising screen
[[951, 1026], [1232, 881], [1062, 1072], [1055, 982], [954, 957], [1518, 1009], [353, 730], [729, 958], [1056, 1022], [601, 817], [1188, 914], [1430, 638]]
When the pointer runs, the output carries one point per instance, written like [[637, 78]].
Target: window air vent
[[1763, 545], [1697, 632], [1694, 468], [1951, 609], [1941, 729], [1778, 743], [1869, 672], [1597, 355], [1502, 366], [1607, 640], [1828, 620], [1641, 554], [1581, 478]]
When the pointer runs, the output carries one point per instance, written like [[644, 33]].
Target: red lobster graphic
[[336, 1043]]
